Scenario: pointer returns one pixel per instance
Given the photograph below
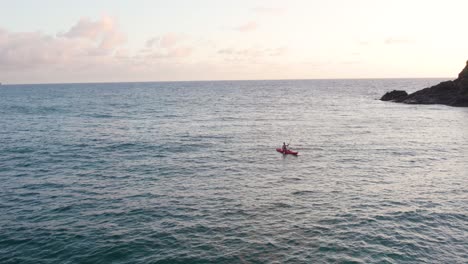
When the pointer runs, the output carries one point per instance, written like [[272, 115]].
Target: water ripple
[[187, 173]]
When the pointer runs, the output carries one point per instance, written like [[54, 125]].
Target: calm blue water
[[187, 172]]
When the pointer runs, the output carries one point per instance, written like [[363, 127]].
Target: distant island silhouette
[[452, 93]]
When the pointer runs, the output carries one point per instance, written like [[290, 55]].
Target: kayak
[[280, 150]]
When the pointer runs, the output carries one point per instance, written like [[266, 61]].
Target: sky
[[52, 41]]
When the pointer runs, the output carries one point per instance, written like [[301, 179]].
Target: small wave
[[235, 212], [20, 150], [62, 208], [280, 205], [101, 116], [36, 110], [306, 192], [44, 186]]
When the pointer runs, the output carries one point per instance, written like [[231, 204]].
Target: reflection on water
[[188, 173]]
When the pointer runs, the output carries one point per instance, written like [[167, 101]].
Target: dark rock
[[395, 96], [453, 93], [443, 93], [464, 73]]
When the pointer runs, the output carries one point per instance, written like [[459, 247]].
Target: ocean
[[187, 172]]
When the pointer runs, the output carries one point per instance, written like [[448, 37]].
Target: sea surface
[[187, 172]]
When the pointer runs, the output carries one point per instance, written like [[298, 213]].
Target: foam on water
[[187, 172]]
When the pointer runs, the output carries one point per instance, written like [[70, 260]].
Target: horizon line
[[224, 80]]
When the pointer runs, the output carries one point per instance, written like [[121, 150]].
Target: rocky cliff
[[453, 93]]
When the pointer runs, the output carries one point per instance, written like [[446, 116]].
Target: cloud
[[96, 50], [26, 50], [152, 42], [85, 40], [89, 45], [169, 45], [86, 28], [249, 26], [104, 33], [168, 40]]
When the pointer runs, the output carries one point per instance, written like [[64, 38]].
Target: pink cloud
[[250, 26], [168, 40], [86, 28], [180, 52], [169, 45], [104, 33], [90, 50], [152, 42], [26, 50], [85, 40]]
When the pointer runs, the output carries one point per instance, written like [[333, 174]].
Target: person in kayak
[[285, 147]]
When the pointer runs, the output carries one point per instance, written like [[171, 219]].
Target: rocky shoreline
[[452, 93]]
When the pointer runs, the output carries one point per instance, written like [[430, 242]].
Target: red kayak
[[280, 150]]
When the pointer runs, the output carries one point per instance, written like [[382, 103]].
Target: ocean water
[[187, 172]]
